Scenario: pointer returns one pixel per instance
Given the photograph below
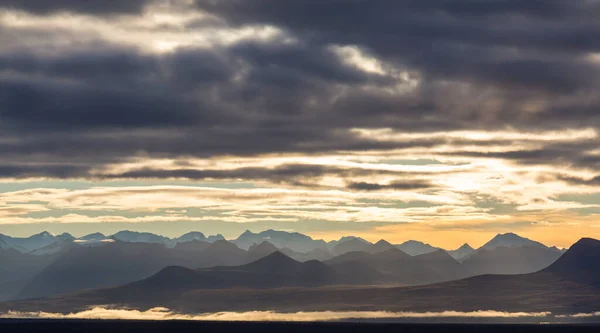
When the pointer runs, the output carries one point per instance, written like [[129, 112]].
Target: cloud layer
[[363, 111]]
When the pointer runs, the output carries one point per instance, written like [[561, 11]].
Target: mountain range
[[46, 265], [354, 280]]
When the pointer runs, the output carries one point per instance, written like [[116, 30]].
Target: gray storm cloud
[[302, 89]]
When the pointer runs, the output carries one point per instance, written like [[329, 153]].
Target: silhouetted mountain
[[558, 250], [333, 243], [96, 267], [356, 272], [437, 266], [275, 263], [316, 254], [381, 246], [581, 261], [415, 248], [122, 262], [273, 271], [511, 240], [225, 253], [351, 245], [400, 267], [462, 252], [295, 241], [261, 250], [515, 260], [558, 289], [192, 246], [17, 269]]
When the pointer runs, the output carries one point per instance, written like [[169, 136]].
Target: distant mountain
[[415, 248], [351, 245], [65, 237], [34, 242], [140, 237], [86, 267], [333, 243], [197, 236], [316, 254], [190, 237], [17, 269], [258, 251], [214, 238], [294, 241], [61, 245], [402, 268], [381, 246], [273, 271], [511, 240], [93, 237], [462, 252], [437, 266], [510, 260], [192, 246], [559, 288], [96, 267], [278, 263], [223, 253]]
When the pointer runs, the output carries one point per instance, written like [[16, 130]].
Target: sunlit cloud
[[243, 114]]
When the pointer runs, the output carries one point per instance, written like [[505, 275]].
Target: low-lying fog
[[166, 314]]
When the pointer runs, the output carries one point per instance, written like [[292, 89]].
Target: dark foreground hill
[[560, 289]]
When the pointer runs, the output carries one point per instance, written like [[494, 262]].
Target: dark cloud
[[60, 171], [396, 185], [95, 7], [483, 65], [108, 87], [300, 175], [594, 181]]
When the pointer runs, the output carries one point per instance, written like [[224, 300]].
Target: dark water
[[115, 326]]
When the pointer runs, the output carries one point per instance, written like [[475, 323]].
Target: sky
[[446, 122]]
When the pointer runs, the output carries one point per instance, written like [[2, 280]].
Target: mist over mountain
[[462, 252], [33, 242], [400, 268], [17, 269], [510, 240], [296, 242], [510, 260], [570, 285], [351, 245], [333, 243], [415, 247], [69, 265]]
